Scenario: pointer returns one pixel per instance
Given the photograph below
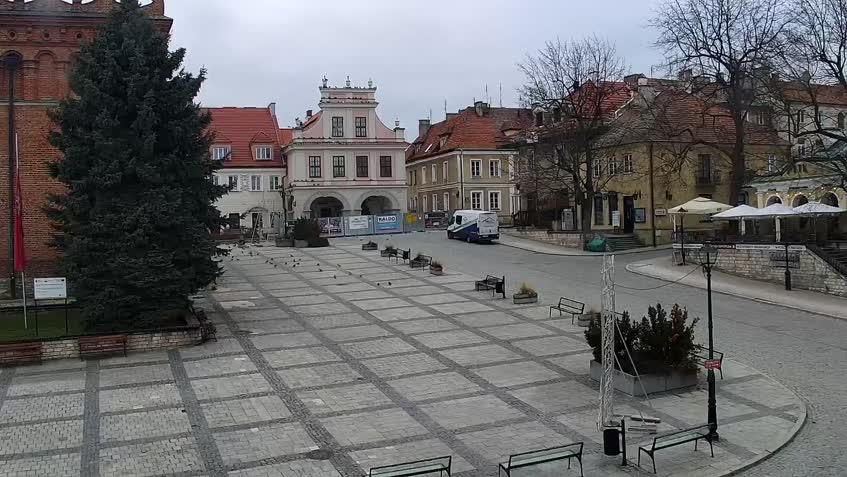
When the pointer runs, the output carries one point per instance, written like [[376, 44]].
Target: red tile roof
[[469, 130], [286, 135], [241, 128], [821, 93]]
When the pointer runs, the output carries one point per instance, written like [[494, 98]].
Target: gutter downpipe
[[652, 197]]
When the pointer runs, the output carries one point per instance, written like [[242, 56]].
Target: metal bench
[[420, 261], [20, 353], [526, 459], [568, 306], [701, 355], [495, 284], [675, 438], [102, 345], [442, 465]]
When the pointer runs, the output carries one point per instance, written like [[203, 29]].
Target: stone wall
[[188, 335], [563, 239], [808, 271]]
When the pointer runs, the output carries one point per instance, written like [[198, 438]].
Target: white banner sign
[[50, 288], [357, 222]]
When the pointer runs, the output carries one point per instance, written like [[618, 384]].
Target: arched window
[[774, 200]]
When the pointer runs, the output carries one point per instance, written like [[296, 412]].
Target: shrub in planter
[[388, 251], [370, 245], [525, 294], [418, 262], [306, 229], [435, 268]]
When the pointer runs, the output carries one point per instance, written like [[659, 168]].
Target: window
[[221, 153], [361, 127], [598, 168], [434, 171], [801, 118], [494, 168], [761, 118], [598, 209], [263, 153], [384, 166], [704, 169], [476, 168], [274, 183], [771, 163], [414, 175], [628, 165], [434, 202], [314, 166], [458, 220], [255, 183], [801, 147], [337, 126], [257, 220], [476, 200], [216, 180], [423, 175], [445, 171], [425, 205], [232, 182], [557, 114], [362, 167], [338, 166], [445, 202], [613, 166], [539, 118], [494, 200]]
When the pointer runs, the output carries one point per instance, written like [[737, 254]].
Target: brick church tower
[[38, 42]]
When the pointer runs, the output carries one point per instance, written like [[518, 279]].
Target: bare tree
[[573, 87], [723, 43]]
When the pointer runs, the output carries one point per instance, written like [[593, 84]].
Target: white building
[[344, 160], [247, 141]]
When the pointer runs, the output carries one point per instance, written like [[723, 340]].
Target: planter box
[[385, 253], [436, 271], [282, 242], [416, 264], [585, 320], [653, 383], [518, 299], [369, 246], [301, 243]]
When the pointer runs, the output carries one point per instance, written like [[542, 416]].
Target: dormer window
[[221, 153], [557, 115], [539, 118], [263, 153]]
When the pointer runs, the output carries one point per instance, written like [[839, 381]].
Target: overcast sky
[[418, 52]]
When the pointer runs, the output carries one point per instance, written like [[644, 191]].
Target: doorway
[[628, 214]]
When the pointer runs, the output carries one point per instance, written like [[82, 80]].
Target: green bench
[[675, 438], [442, 465], [526, 459]]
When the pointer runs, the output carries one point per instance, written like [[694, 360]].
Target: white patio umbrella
[[738, 213], [817, 208], [697, 206], [777, 211]]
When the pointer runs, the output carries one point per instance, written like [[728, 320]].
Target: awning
[[699, 206]]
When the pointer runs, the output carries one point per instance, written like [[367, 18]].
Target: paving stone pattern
[[330, 361]]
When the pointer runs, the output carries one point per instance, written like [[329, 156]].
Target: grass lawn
[[51, 324]]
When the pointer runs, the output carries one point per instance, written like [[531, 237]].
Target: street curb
[[632, 268], [798, 426], [588, 254]]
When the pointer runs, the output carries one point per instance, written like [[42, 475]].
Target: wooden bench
[[675, 438], [442, 465], [701, 355], [568, 306], [526, 459], [20, 353], [103, 345], [495, 284], [420, 261]]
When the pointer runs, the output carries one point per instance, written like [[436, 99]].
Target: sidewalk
[[663, 269], [550, 249]]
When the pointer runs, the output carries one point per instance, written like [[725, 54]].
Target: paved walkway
[[664, 269], [330, 361]]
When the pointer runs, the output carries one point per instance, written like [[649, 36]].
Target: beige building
[[464, 162]]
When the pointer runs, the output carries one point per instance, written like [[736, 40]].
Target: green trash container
[[597, 245]]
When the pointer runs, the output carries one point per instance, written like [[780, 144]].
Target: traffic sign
[[712, 364]]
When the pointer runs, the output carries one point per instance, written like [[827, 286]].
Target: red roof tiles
[[241, 129]]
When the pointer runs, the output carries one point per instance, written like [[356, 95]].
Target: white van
[[474, 226]]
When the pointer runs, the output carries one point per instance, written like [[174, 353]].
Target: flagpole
[[23, 292]]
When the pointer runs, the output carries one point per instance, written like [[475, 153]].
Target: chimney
[[308, 113], [451, 116], [272, 109], [646, 92], [481, 108], [423, 127], [685, 75], [700, 81], [633, 80]]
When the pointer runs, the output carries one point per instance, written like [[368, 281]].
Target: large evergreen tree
[[134, 225]]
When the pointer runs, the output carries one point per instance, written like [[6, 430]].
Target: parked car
[[474, 226]]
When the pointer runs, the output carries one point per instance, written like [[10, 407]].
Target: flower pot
[[584, 319], [301, 243], [416, 264], [653, 383], [369, 246], [436, 271], [524, 299], [284, 242]]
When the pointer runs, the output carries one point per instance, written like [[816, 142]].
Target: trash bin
[[611, 441]]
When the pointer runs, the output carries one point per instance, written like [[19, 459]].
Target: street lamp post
[[711, 259], [682, 232]]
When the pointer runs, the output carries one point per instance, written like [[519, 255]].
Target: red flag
[[20, 253]]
